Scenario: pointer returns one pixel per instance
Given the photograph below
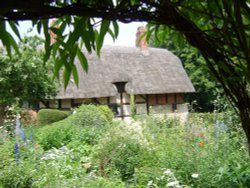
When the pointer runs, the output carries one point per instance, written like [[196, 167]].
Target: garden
[[89, 148]]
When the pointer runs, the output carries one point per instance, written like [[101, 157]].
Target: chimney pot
[[141, 41]]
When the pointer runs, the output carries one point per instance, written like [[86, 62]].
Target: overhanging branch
[[127, 15]]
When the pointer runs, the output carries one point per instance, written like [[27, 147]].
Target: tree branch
[[127, 15]]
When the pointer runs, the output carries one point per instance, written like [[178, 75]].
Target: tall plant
[[24, 77]]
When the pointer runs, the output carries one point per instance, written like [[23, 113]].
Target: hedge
[[48, 116]]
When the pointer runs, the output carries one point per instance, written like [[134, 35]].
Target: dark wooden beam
[[175, 103], [72, 103], [147, 104], [121, 105], [59, 103], [156, 99], [45, 103]]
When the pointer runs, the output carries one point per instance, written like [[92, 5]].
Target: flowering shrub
[[167, 179], [8, 128], [147, 153], [120, 151]]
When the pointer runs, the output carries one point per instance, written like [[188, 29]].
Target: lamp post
[[120, 86]]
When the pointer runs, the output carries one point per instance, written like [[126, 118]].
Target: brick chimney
[[52, 34], [141, 41]]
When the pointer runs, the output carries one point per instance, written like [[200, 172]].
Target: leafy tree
[[24, 77], [207, 88], [218, 28]]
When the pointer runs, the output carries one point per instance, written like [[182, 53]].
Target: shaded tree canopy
[[25, 78], [208, 90], [220, 29]]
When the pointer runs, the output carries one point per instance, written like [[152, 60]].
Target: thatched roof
[[151, 71]]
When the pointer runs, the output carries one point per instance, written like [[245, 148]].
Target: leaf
[[149, 33], [56, 31], [55, 48], [75, 74], [116, 28], [57, 66], [79, 26], [12, 42], [72, 51], [104, 29], [4, 37], [224, 66], [112, 34], [66, 76], [87, 41], [39, 26], [47, 39], [13, 26], [88, 37], [83, 60], [34, 22]]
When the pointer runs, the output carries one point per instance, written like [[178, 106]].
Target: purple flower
[[23, 135], [31, 136], [16, 151], [222, 125]]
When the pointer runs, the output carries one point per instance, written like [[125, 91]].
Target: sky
[[126, 33]]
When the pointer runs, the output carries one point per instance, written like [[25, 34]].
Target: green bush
[[89, 115], [147, 153], [48, 116], [56, 135], [85, 125], [105, 110], [121, 150], [103, 182], [200, 147], [17, 175], [6, 154]]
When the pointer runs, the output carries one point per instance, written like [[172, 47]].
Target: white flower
[[195, 176], [150, 183], [167, 172], [173, 183]]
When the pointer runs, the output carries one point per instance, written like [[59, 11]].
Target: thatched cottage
[[154, 76]]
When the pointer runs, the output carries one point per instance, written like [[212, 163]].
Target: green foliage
[[66, 45], [201, 147], [6, 154], [121, 150], [48, 116], [207, 88], [105, 110], [234, 175], [9, 119], [150, 152], [17, 176], [25, 77], [85, 126], [132, 106], [104, 182], [57, 134], [90, 115], [218, 29]]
